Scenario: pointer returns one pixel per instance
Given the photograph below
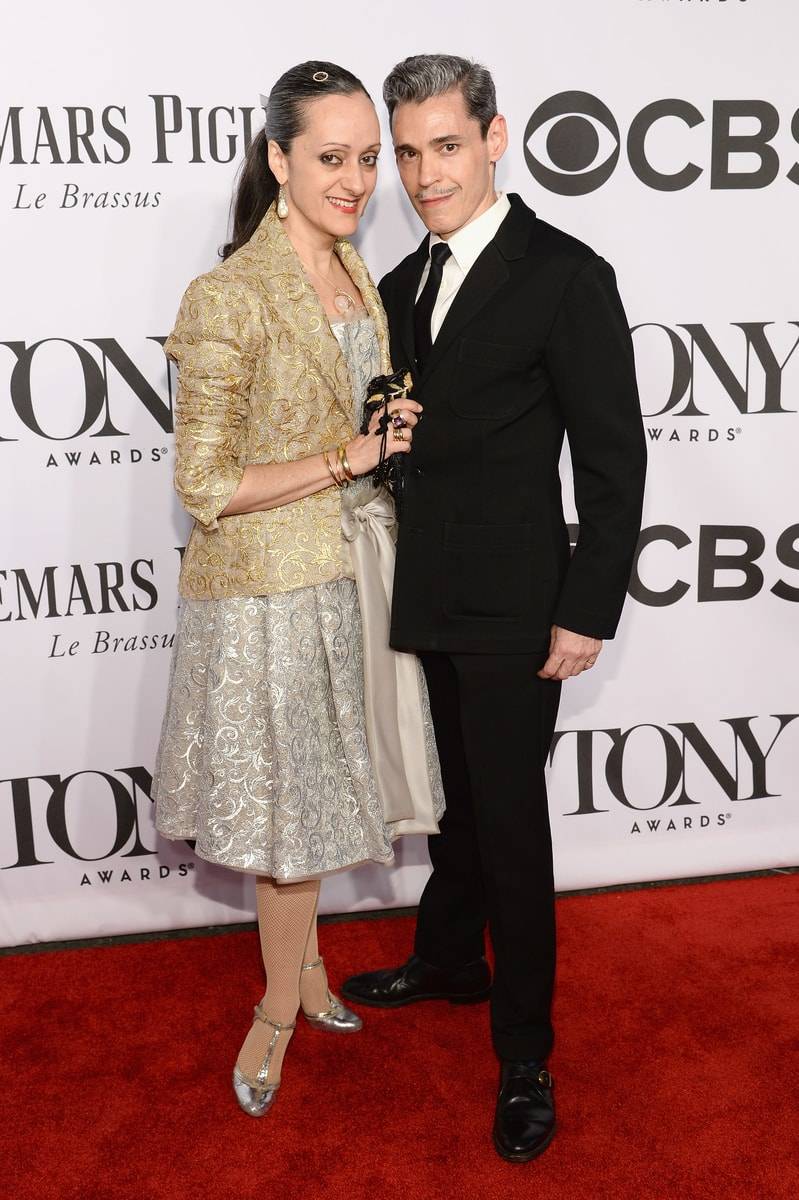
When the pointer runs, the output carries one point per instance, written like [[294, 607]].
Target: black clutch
[[389, 471]]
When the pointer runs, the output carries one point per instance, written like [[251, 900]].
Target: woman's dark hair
[[256, 186]]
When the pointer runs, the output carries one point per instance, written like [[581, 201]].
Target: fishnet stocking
[[313, 983], [285, 914]]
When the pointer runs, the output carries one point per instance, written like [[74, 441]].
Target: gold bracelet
[[338, 482], [342, 479], [338, 470], [345, 466]]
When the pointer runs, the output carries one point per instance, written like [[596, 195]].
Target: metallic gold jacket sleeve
[[262, 380], [215, 343]]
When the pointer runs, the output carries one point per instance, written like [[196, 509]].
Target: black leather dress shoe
[[524, 1124], [417, 980]]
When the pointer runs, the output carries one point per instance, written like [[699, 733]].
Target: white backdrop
[[679, 754]]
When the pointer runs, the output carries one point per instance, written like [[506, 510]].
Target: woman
[[276, 754]]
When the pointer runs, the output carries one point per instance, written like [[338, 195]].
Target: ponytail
[[286, 107], [256, 189]]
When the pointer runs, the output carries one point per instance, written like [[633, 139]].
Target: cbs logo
[[572, 144]]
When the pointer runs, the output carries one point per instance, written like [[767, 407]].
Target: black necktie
[[426, 303]]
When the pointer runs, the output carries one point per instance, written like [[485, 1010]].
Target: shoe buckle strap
[[281, 1027], [332, 1003], [542, 1077]]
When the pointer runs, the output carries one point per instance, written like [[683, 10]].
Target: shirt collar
[[469, 243]]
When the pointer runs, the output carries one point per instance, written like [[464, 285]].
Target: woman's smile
[[342, 204]]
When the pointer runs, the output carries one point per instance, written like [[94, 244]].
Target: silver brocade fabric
[[263, 756]]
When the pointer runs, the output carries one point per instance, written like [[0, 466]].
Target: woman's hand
[[271, 485], [363, 452]]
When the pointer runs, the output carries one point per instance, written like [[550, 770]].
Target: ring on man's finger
[[399, 436], [397, 419]]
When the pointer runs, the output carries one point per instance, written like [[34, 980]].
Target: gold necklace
[[343, 301]]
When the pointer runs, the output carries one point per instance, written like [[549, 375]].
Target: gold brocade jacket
[[261, 379]]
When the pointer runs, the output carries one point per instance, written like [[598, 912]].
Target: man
[[515, 334]]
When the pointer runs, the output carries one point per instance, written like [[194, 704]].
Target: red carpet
[[676, 1067]]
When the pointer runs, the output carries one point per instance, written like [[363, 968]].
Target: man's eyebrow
[[439, 141]]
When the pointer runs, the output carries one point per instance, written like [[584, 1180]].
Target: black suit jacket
[[535, 344]]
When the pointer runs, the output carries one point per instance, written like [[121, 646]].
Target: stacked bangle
[[339, 469], [342, 460], [338, 482]]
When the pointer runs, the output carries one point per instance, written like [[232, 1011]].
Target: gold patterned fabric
[[262, 379], [265, 755]]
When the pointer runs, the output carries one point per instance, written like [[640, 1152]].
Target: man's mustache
[[432, 195]]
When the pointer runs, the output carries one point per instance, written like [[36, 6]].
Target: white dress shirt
[[466, 245]]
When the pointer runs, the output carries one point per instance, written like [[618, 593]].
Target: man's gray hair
[[426, 75]]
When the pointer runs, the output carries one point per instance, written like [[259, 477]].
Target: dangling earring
[[282, 205]]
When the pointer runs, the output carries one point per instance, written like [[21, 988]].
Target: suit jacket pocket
[[490, 380], [489, 571], [500, 354]]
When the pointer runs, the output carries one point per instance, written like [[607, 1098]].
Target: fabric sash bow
[[392, 698]]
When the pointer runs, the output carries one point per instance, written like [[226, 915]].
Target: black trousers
[[492, 861]]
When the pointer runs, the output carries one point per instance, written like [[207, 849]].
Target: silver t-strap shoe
[[335, 1018], [257, 1096]]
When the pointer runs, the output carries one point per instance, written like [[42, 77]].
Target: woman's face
[[331, 170]]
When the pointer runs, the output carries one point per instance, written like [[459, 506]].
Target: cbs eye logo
[[572, 144], [564, 130]]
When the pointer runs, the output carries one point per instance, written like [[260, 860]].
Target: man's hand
[[569, 654]]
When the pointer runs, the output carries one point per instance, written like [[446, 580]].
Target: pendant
[[343, 302]]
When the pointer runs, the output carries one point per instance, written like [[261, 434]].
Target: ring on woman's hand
[[399, 436], [397, 419]]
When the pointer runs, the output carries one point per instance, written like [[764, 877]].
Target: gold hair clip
[[320, 76]]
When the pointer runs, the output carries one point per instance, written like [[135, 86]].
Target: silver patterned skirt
[[263, 756]]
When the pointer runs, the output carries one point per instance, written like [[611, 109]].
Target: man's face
[[445, 163]]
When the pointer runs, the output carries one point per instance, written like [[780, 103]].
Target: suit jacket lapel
[[407, 287], [485, 278]]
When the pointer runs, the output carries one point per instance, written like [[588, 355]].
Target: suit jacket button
[[418, 471]]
